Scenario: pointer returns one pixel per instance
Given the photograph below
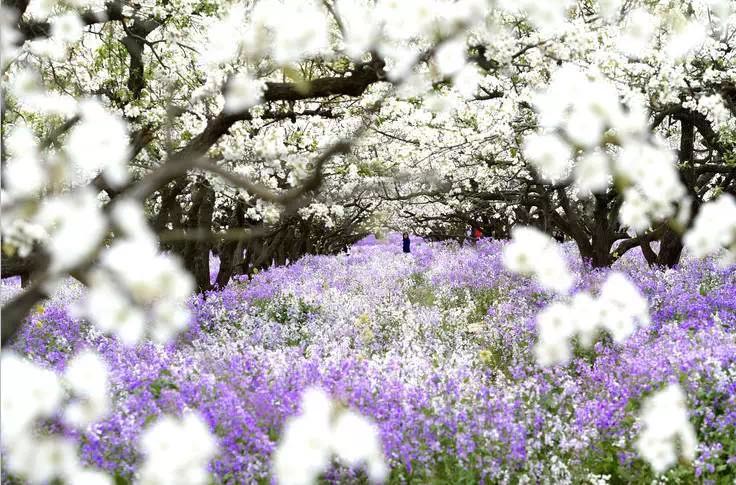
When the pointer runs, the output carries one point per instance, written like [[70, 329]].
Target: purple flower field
[[435, 347]]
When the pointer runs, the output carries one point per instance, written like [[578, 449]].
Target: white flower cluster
[[135, 283], [98, 144], [42, 9], [86, 377], [533, 253], [66, 29], [177, 451], [31, 393], [69, 223], [10, 38], [654, 186], [714, 109], [25, 173], [665, 429], [714, 229], [636, 36], [577, 108], [285, 30], [548, 16], [243, 92], [20, 234], [264, 211], [401, 29], [550, 155], [580, 116], [360, 32], [28, 91], [685, 38], [74, 226], [311, 438], [618, 309], [322, 212]]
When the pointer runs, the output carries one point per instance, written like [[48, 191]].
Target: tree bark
[[670, 249], [670, 245], [196, 254], [231, 252], [601, 239]]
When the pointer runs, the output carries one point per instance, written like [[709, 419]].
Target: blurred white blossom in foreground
[[243, 92], [666, 429], [311, 438], [86, 377], [177, 451], [135, 283], [714, 229], [618, 310], [533, 253], [28, 393], [31, 393]]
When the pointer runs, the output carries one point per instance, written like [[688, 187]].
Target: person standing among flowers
[[477, 234], [406, 242]]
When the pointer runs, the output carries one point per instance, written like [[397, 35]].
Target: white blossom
[[42, 460], [361, 28], [154, 288], [86, 376], [356, 442], [90, 477], [686, 39], [66, 28], [25, 173], [636, 36], [311, 438], [548, 16], [450, 57], [98, 143], [177, 451], [243, 92], [134, 283], [11, 36], [666, 429], [466, 81], [714, 229], [550, 155], [592, 172], [299, 29], [222, 37], [533, 253], [622, 306], [28, 392], [76, 227], [618, 310]]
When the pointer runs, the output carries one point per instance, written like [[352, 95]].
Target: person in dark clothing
[[406, 242]]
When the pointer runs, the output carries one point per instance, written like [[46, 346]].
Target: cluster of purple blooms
[[436, 347]]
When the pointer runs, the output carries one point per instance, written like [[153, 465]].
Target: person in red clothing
[[477, 234]]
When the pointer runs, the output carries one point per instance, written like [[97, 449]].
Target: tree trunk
[[601, 239], [649, 254], [196, 254], [670, 249], [231, 252], [670, 245]]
